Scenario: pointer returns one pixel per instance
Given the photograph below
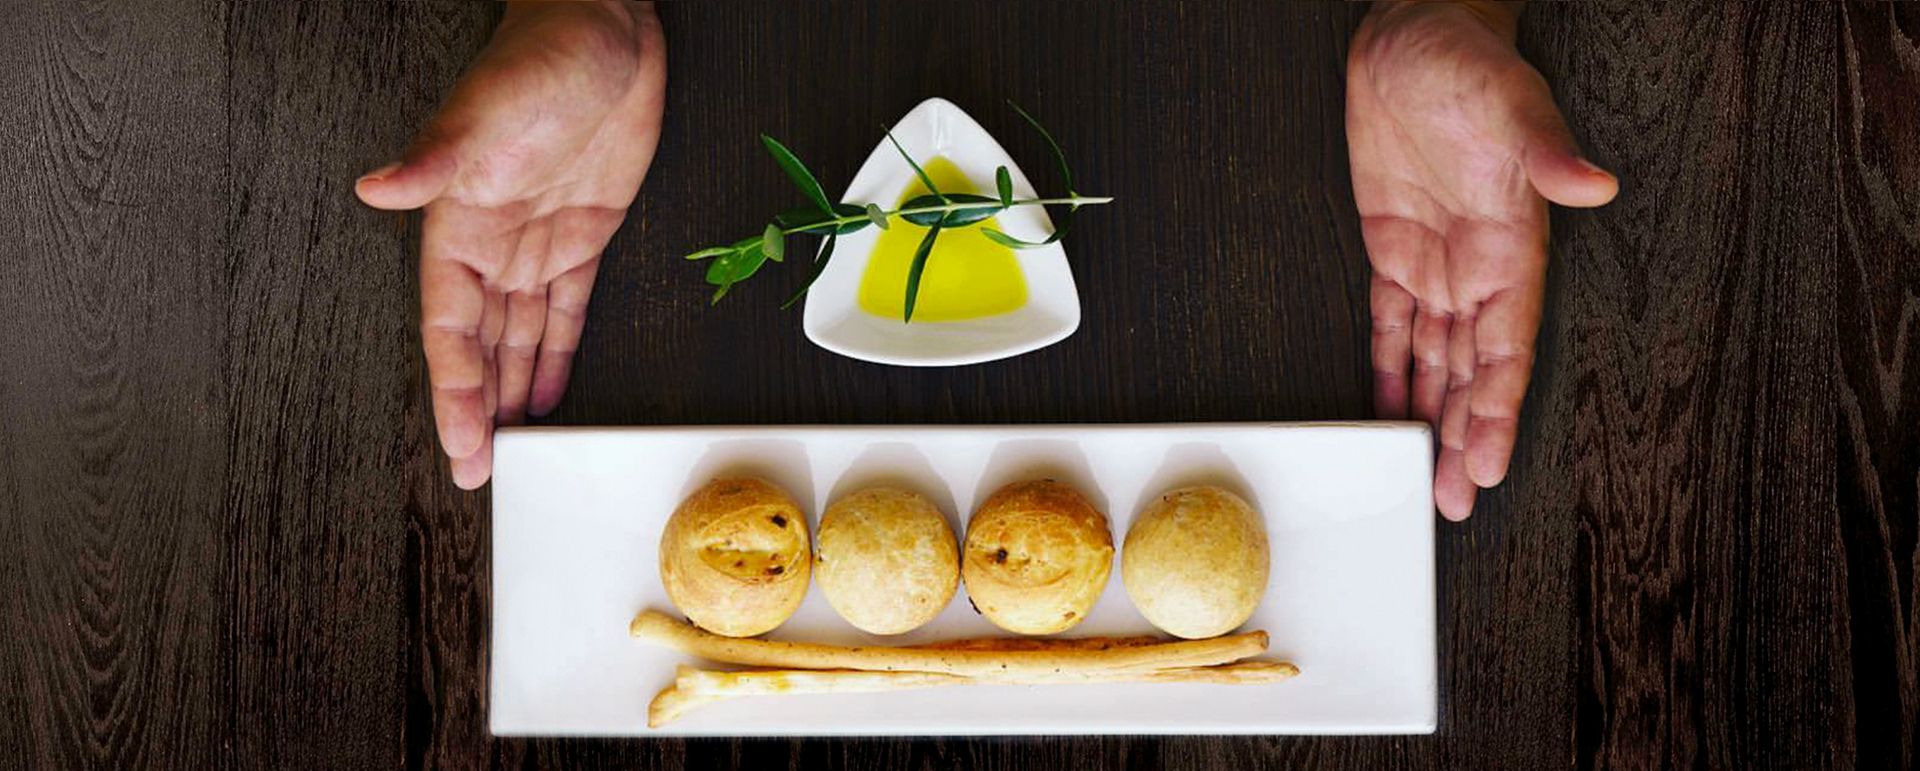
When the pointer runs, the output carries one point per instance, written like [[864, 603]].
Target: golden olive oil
[[967, 276]]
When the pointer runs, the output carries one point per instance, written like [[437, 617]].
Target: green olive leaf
[[734, 268], [819, 267], [797, 171], [917, 171], [710, 252], [1006, 240], [1010, 242], [1003, 180], [968, 216], [806, 219], [919, 267], [953, 218], [876, 216], [774, 243], [1059, 158]]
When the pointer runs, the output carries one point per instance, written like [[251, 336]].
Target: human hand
[[1456, 147], [525, 174]]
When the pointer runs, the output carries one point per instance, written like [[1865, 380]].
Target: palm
[[1453, 141], [525, 174]]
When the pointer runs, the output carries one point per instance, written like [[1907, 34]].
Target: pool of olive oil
[[967, 276]]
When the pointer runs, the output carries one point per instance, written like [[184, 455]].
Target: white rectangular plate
[[577, 515]]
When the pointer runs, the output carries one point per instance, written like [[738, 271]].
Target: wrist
[[1501, 16]]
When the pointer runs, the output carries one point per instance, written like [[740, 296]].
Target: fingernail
[[379, 173], [1593, 169]]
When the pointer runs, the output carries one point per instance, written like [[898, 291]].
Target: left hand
[[525, 174], [1456, 147]]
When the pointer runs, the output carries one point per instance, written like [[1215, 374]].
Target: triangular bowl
[[834, 319]]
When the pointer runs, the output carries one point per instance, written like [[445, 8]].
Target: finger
[[1453, 492], [451, 305], [525, 318], [1453, 417], [1504, 333], [566, 313], [472, 471], [493, 323], [1430, 332], [1568, 179], [428, 169], [526, 322], [579, 238], [1553, 161], [1392, 310]]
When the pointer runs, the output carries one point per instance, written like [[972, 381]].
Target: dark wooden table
[[226, 539]]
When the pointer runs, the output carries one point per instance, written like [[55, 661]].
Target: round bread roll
[[1195, 562], [886, 561], [1037, 557], [735, 557]]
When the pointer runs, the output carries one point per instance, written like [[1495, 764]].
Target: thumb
[[1554, 164], [427, 171]]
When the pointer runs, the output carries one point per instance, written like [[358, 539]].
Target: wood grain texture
[[1876, 168], [1698, 444], [112, 443], [319, 340], [227, 540]]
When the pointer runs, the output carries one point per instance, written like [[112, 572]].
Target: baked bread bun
[[886, 560], [1195, 562], [735, 557], [1037, 557]]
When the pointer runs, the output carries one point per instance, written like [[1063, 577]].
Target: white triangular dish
[[834, 319]]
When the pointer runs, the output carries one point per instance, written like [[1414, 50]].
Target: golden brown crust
[[694, 688], [1037, 557], [887, 561], [735, 556], [660, 629], [1195, 561]]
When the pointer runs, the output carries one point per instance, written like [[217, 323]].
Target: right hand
[[1456, 147], [525, 174]]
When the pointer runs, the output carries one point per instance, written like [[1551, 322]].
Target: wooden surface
[[226, 539]]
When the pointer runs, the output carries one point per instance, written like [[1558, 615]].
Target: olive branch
[[936, 211]]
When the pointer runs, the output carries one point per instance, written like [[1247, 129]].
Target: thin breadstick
[[672, 703], [1041, 643], [694, 688], [661, 629], [772, 681]]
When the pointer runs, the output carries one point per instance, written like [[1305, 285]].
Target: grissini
[[695, 688], [661, 629], [671, 703], [1042, 643]]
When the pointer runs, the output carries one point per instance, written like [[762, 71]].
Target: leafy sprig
[[937, 211]]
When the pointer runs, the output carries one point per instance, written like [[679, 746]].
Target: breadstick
[[672, 703], [698, 687], [1041, 643], [661, 629]]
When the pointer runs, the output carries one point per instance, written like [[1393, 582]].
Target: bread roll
[[1037, 557], [1195, 562], [735, 557], [887, 561]]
